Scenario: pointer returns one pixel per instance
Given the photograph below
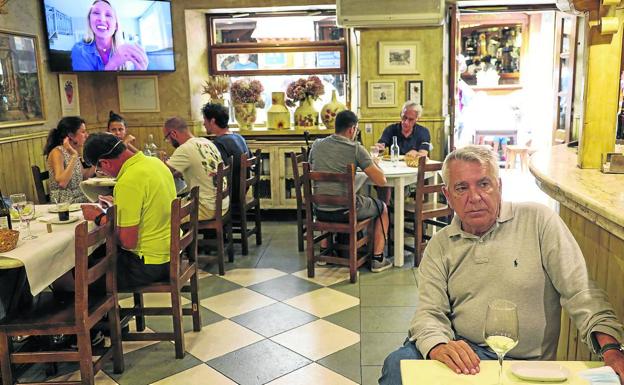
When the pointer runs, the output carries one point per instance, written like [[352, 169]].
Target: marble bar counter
[[592, 206], [596, 196]]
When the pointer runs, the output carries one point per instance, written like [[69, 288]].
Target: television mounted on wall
[[109, 35]]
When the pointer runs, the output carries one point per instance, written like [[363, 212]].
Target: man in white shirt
[[197, 160]]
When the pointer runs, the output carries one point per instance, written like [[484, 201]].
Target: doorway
[[513, 78]]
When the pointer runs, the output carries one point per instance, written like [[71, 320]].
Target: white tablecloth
[[48, 256], [398, 177]]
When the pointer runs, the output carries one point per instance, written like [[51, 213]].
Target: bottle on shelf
[[150, 148], [5, 214], [394, 152]]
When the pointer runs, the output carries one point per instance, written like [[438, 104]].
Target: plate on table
[[387, 157], [56, 221], [72, 207], [540, 371]]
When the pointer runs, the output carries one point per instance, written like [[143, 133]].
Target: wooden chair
[[426, 209], [38, 179], [249, 208], [351, 227], [221, 221], [51, 317], [297, 160], [181, 270]]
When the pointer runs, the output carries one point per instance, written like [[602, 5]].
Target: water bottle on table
[[394, 152]]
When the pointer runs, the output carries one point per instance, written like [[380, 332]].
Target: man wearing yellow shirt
[[143, 195]]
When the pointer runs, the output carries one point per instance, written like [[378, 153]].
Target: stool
[[512, 151]]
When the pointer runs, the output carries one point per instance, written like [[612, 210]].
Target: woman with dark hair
[[117, 127], [62, 151]]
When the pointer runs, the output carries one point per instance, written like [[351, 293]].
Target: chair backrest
[[223, 182], [183, 237], [86, 275], [249, 166], [316, 197], [38, 178], [422, 190], [296, 161]]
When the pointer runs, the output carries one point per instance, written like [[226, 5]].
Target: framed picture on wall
[[382, 93], [138, 93], [415, 91], [21, 101], [398, 57], [69, 94]]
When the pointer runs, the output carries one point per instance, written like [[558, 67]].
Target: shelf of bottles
[[492, 54]]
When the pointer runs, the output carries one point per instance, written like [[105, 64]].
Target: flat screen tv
[[109, 35]]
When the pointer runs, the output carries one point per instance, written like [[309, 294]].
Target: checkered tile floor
[[266, 322]]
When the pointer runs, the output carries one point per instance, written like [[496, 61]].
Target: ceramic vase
[[330, 110], [278, 116], [306, 117], [245, 115]]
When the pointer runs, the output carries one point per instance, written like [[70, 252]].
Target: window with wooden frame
[[278, 49]]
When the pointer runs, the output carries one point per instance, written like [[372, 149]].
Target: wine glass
[[382, 148], [17, 203], [27, 214], [374, 152], [501, 329]]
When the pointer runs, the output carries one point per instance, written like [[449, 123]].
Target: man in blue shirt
[[412, 138]]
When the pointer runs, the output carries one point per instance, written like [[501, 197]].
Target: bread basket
[[411, 161], [8, 240]]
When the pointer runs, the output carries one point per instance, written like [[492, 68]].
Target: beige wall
[[430, 67]]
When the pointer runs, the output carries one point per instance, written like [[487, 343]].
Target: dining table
[[432, 372], [50, 254]]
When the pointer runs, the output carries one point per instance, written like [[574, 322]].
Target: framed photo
[[398, 57], [138, 93], [382, 93], [70, 97], [21, 101], [415, 91]]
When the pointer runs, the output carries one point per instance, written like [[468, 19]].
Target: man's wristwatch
[[98, 220], [611, 346]]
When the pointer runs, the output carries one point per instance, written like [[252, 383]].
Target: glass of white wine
[[17, 203], [501, 329], [27, 214]]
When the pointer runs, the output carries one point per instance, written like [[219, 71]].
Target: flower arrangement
[[247, 91], [216, 86], [299, 90]]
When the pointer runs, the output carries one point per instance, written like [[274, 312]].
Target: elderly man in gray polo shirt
[[520, 252], [333, 154]]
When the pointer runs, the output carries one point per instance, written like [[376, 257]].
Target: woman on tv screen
[[102, 48]]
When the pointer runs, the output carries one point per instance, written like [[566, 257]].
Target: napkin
[[604, 376]]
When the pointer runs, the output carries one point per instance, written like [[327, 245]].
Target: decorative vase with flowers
[[215, 87], [246, 95], [305, 91]]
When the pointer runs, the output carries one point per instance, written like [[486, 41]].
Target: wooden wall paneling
[[21, 161], [604, 254]]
